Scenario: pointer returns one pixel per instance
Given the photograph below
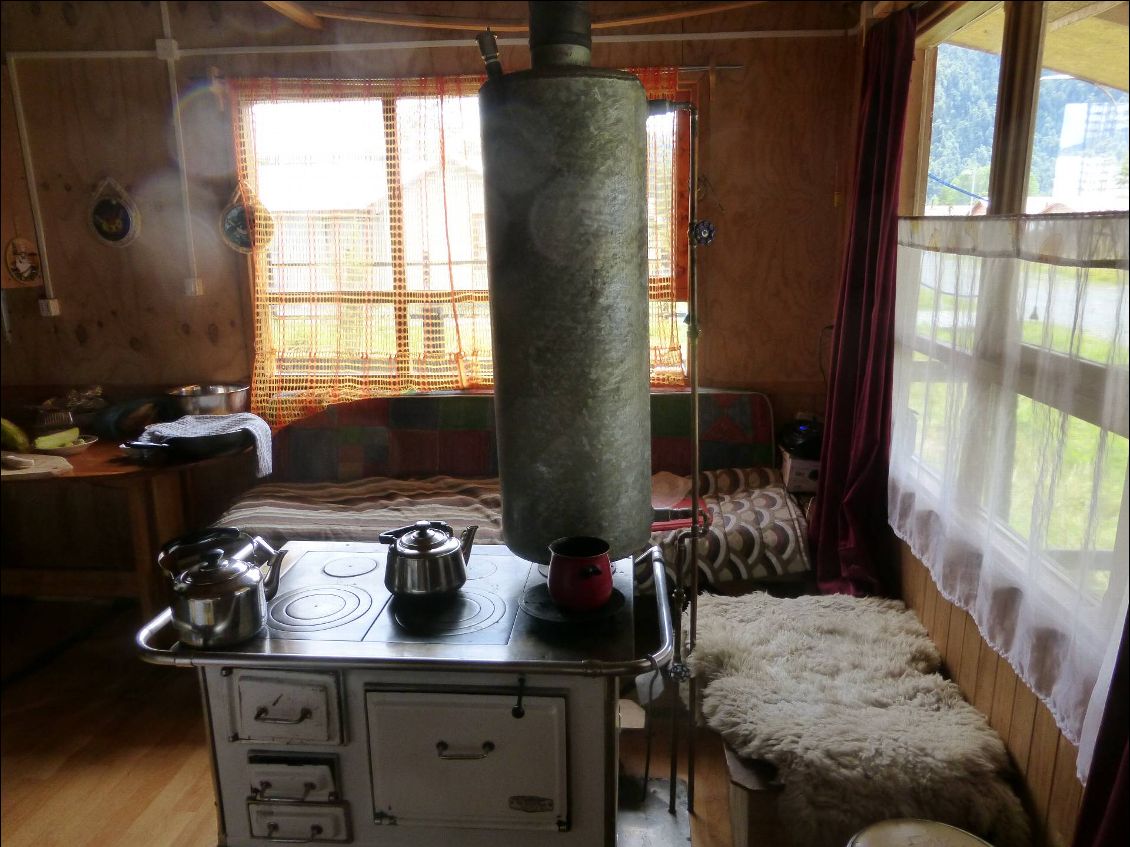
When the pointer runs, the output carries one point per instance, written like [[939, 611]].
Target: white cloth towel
[[667, 489], [194, 426]]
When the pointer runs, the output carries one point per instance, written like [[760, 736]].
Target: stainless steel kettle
[[425, 558], [221, 581]]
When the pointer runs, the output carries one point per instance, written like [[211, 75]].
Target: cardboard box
[[801, 475]]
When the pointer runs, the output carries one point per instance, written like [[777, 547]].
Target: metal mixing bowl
[[211, 399]]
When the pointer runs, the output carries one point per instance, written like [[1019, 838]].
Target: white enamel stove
[[355, 718]]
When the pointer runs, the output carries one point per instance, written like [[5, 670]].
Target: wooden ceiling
[[502, 17]]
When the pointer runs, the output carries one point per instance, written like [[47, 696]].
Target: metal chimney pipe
[[564, 172], [560, 33]]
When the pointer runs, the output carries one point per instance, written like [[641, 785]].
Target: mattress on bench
[[757, 530]]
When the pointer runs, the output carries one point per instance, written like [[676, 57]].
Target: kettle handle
[[167, 555], [390, 536]]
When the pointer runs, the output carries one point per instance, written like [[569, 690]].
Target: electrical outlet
[[49, 307]]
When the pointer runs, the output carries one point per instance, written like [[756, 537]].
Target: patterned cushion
[[757, 531]]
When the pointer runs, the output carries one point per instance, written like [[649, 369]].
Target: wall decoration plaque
[[245, 221], [114, 217], [21, 258]]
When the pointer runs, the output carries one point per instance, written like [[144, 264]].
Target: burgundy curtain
[[1103, 819], [848, 532]]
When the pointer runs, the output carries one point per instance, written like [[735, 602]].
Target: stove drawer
[[464, 760], [287, 707], [298, 822], [274, 777]]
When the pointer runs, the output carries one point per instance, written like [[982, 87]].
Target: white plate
[[84, 441]]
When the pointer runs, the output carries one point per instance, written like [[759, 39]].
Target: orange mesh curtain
[[369, 243], [668, 164]]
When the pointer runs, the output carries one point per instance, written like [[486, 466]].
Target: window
[[1009, 458], [1080, 130], [1082, 121], [369, 256], [961, 136]]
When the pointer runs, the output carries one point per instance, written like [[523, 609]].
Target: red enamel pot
[[580, 573]]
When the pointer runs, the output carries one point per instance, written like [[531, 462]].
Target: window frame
[[1013, 137], [402, 297]]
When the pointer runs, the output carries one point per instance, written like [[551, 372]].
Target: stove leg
[[674, 745], [646, 753], [690, 743]]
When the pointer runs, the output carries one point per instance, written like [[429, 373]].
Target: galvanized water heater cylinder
[[564, 170]]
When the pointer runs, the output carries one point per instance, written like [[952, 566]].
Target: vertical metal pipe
[[692, 354], [560, 33], [32, 183]]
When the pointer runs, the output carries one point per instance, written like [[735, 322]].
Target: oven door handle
[[443, 752]]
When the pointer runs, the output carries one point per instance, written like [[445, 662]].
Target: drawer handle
[[262, 713], [441, 749], [265, 785], [273, 829]]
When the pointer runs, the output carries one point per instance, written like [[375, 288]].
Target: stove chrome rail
[[179, 656]]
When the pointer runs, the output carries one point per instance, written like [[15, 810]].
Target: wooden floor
[[98, 749]]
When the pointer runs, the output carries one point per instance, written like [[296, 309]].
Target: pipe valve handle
[[703, 232]]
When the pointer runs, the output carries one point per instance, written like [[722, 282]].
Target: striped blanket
[[757, 531]]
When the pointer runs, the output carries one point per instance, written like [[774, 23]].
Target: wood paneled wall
[[776, 150], [1044, 758]]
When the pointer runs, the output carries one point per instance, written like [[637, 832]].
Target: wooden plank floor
[[99, 749]]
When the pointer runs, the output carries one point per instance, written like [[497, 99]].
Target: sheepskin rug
[[842, 694]]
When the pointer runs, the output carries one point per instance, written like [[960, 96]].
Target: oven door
[[465, 760]]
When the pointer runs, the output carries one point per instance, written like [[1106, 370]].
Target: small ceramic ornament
[[22, 260], [245, 222], [114, 217]]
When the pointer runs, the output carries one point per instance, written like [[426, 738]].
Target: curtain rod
[[218, 77], [49, 55]]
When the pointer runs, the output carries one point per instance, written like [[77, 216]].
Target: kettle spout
[[466, 538], [274, 567]]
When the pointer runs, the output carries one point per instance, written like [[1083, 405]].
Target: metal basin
[[211, 399]]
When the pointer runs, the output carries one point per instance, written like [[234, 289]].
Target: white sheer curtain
[[1009, 439]]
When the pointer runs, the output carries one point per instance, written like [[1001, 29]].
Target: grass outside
[[1049, 476]]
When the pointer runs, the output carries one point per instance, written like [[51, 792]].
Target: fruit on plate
[[12, 437], [55, 440]]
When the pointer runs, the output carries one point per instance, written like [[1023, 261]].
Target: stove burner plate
[[536, 603], [463, 613], [348, 566], [319, 607], [480, 568]]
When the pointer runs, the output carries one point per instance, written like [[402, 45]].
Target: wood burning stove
[[356, 719]]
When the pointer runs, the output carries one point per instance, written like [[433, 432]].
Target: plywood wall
[[776, 152], [1044, 758]]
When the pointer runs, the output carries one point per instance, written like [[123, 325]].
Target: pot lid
[[214, 572], [426, 538]]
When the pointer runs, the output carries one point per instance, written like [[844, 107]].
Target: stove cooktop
[[335, 595]]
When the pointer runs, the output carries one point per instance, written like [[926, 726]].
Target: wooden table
[[95, 532]]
